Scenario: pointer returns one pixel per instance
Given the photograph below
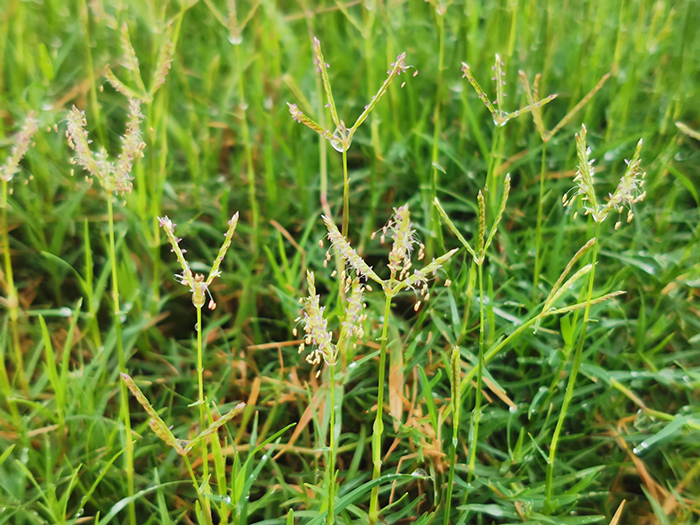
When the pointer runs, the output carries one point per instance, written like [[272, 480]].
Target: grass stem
[[200, 399], [11, 292], [570, 386], [491, 174], [346, 194], [479, 379], [254, 212], [332, 453], [538, 230], [129, 455], [378, 428]]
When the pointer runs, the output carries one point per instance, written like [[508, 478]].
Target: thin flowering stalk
[[116, 315], [199, 287], [434, 181], [248, 147], [319, 338], [400, 229], [456, 403], [629, 191], [483, 242], [115, 177], [22, 141]]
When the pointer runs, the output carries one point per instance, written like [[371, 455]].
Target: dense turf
[[220, 138]]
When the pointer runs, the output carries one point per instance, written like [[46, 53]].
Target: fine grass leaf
[[6, 453], [355, 494]]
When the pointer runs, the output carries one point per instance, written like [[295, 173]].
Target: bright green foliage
[[553, 372]]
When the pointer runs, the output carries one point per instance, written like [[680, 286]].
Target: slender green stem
[[255, 214], [492, 195], [129, 455], [202, 412], [330, 520], [84, 14], [436, 134], [12, 299], [202, 501], [346, 194], [570, 386], [200, 399], [479, 378], [455, 373], [378, 428], [538, 231]]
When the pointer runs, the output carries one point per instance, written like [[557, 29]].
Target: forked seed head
[[198, 285], [114, 176], [629, 191]]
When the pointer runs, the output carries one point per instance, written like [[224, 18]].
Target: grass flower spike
[[115, 176], [21, 143], [131, 63], [316, 328], [629, 191]]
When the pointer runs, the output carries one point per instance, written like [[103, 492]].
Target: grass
[[527, 389]]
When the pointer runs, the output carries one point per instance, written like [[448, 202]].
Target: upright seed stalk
[[346, 194], [456, 402], [116, 313], [479, 378], [255, 214], [332, 453], [569, 394], [538, 231], [436, 132], [200, 399], [200, 383], [12, 299], [378, 428], [491, 174]]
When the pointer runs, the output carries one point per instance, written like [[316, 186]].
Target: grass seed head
[[629, 191], [403, 234], [21, 143], [199, 286], [355, 316], [348, 253], [316, 328], [114, 176]]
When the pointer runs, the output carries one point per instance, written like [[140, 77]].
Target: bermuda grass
[[441, 311]]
